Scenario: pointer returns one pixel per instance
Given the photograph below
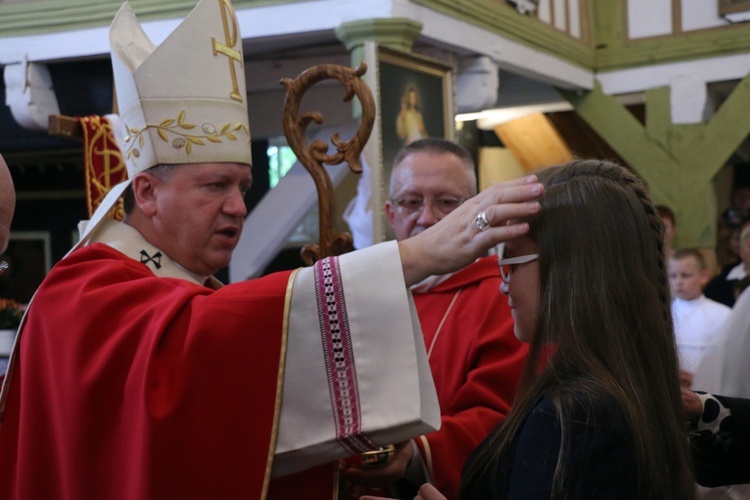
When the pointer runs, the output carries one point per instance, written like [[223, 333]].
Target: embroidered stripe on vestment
[[339, 357]]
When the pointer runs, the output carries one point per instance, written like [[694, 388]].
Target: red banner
[[103, 163]]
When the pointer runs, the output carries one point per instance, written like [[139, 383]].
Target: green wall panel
[[29, 18], [501, 18], [615, 51], [607, 47]]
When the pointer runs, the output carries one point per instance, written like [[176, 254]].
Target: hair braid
[[656, 223], [635, 183]]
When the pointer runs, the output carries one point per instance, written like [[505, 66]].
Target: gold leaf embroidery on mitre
[[175, 131]]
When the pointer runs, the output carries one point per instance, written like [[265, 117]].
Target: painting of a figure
[[416, 101], [409, 122]]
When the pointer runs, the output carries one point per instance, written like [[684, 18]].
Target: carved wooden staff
[[314, 155]]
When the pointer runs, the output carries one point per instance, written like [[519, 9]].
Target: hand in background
[[691, 403], [686, 378]]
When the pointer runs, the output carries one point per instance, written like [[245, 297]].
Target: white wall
[[701, 14], [647, 18]]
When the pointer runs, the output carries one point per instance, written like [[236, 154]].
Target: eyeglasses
[[506, 265], [442, 205]]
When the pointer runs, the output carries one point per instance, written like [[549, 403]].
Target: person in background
[[720, 425], [719, 437], [7, 208], [733, 253], [739, 208], [598, 413], [475, 359], [721, 287], [697, 320], [740, 286], [730, 224], [138, 375], [7, 203], [723, 368], [727, 246], [670, 227]]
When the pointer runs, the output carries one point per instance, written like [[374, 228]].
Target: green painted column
[[398, 33], [361, 39], [679, 162]]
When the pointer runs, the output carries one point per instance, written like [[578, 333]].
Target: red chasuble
[[134, 386], [476, 362]]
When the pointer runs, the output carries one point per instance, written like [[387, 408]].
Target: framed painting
[[735, 11], [731, 6], [415, 101]]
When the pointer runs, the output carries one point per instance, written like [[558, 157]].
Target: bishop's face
[[198, 214]]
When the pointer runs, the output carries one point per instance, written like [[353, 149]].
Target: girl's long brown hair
[[604, 302]]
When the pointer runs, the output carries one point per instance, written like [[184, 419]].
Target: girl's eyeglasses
[[506, 265]]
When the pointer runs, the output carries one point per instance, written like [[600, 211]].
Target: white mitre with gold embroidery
[[183, 101]]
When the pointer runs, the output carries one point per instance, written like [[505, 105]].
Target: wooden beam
[[65, 126], [534, 142], [70, 127]]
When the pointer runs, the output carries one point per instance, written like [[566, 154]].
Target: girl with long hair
[[598, 411]]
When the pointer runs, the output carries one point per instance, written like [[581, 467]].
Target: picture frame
[[415, 100], [29, 255], [732, 6], [735, 11]]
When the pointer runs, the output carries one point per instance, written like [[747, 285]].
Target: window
[[280, 160]]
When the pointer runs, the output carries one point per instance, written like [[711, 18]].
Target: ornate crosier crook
[[313, 156]]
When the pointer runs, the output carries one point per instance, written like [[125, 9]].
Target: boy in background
[[697, 319]]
